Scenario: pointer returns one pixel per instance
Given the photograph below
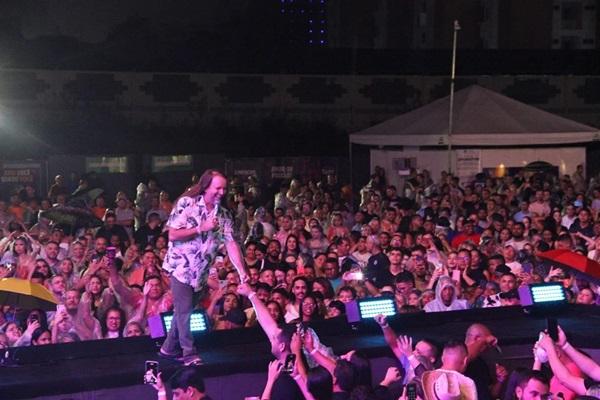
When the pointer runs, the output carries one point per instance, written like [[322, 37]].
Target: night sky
[[284, 37]]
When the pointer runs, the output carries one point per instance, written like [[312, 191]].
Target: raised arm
[[586, 364], [321, 359], [235, 255], [561, 372], [263, 316], [389, 335]]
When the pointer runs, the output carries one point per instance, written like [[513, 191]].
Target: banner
[[106, 165], [468, 164], [172, 163], [14, 175], [281, 171]]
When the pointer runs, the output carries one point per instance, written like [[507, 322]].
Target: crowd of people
[[308, 247]]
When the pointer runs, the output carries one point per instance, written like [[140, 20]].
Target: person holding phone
[[197, 226], [186, 383]]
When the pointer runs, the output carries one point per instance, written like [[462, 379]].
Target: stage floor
[[80, 367]]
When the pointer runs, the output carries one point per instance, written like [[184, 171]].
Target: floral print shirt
[[189, 260]]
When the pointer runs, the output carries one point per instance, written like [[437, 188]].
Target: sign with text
[[14, 175], [468, 164], [282, 171], [172, 163], [106, 165]]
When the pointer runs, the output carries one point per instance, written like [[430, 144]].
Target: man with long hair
[[197, 226]]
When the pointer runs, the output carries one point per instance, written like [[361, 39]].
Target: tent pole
[[451, 111], [351, 170]]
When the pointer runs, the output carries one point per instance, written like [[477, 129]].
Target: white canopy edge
[[480, 140]]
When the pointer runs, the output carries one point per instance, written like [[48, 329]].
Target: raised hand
[[391, 376], [33, 325], [501, 373], [309, 343], [244, 289], [274, 370], [405, 345], [545, 342], [381, 320], [159, 385]]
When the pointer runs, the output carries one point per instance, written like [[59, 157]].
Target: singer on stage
[[197, 226]]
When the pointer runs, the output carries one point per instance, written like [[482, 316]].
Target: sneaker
[[193, 359], [167, 356]]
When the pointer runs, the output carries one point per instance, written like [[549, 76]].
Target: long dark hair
[[203, 183], [104, 326]]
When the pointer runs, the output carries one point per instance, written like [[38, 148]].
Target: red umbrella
[[573, 260]]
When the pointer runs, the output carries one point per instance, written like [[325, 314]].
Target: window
[[571, 15]]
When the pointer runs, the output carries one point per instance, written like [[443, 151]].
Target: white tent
[[482, 118], [494, 131]]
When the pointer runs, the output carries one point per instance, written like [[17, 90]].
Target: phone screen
[[411, 391], [151, 372], [552, 325], [456, 275], [290, 360], [111, 253]]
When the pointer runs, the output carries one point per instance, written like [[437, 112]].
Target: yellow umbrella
[[26, 295]]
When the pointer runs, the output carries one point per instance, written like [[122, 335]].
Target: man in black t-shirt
[[377, 265], [149, 231], [481, 367]]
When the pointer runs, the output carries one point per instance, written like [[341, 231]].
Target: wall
[[566, 158], [206, 101]]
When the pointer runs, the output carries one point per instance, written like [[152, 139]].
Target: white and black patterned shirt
[[189, 260]]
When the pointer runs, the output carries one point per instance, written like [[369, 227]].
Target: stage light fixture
[[543, 295], [198, 321], [368, 308], [544, 300]]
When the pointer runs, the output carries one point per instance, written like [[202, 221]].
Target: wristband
[[296, 377], [251, 295], [313, 351], [161, 393], [564, 346], [385, 326]]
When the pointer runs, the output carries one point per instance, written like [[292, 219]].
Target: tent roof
[[482, 117]]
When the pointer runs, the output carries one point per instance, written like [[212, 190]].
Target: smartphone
[[300, 329], [456, 274], [60, 308], [552, 326], [151, 372], [411, 391], [288, 367], [111, 253]]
